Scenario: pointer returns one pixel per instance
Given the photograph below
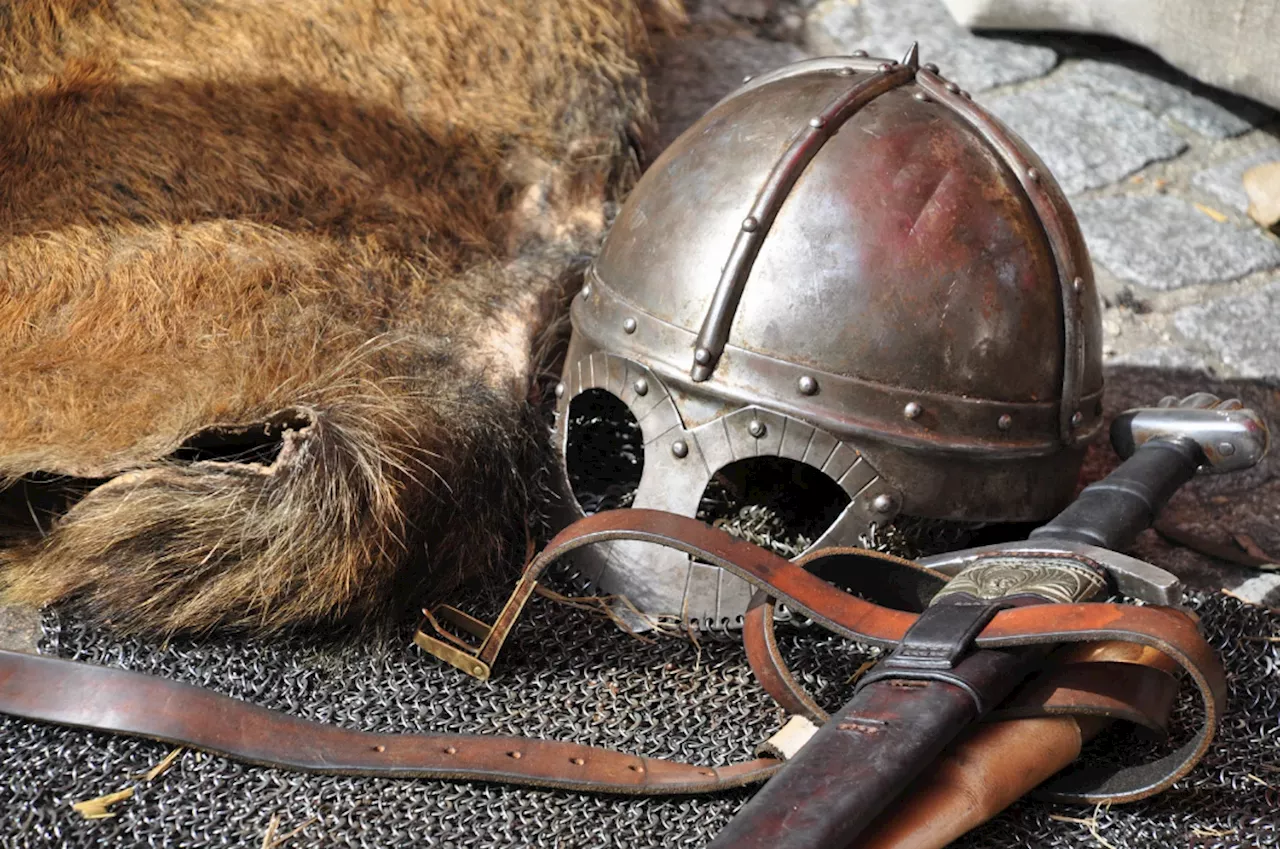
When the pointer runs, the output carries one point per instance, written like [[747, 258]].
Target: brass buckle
[[475, 660]]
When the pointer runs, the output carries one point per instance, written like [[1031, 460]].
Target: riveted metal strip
[[850, 408], [746, 246], [1030, 177]]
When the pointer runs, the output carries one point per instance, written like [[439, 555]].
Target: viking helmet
[[848, 266]]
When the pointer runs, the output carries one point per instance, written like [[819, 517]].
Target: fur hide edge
[[274, 284]]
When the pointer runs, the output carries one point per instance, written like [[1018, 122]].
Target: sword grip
[[1112, 512]]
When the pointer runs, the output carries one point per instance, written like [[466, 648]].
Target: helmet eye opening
[[604, 451], [778, 503]]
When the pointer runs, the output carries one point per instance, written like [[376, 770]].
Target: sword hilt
[[1165, 445]]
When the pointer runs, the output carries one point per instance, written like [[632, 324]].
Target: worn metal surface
[[849, 264], [1057, 579], [1230, 437]]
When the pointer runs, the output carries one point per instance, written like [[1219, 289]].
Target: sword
[[935, 683]]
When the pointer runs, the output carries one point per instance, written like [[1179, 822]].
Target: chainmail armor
[[565, 674]]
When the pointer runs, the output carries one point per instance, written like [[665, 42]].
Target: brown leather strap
[[116, 700], [70, 693]]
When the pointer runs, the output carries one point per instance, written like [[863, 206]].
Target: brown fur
[[332, 228]]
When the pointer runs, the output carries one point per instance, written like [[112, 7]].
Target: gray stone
[[888, 27], [1242, 329], [692, 74], [1167, 357], [1087, 139], [1164, 98], [1164, 243], [1223, 180], [19, 628]]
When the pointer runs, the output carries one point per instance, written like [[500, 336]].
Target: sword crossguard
[[1228, 435]]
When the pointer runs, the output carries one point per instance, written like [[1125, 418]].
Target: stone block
[[1087, 139], [1242, 329], [1223, 180], [888, 27], [1164, 242], [1179, 103]]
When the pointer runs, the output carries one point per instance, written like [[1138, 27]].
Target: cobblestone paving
[[1152, 159]]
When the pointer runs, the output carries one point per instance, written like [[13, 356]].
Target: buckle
[[475, 659]]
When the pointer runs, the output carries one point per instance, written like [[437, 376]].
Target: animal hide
[[273, 281]]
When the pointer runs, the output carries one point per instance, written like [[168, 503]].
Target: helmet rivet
[[921, 96], [848, 72], [560, 390], [861, 54], [1077, 419], [748, 78], [930, 67], [885, 67], [756, 428], [750, 224], [952, 87], [701, 356], [1004, 422], [680, 449], [629, 325], [817, 123], [641, 386], [586, 291], [1078, 285], [1033, 175], [1226, 449], [912, 410], [807, 385], [882, 503]]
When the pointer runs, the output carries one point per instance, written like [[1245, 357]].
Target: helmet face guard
[[849, 267], [678, 463]]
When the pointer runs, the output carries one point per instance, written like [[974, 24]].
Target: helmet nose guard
[[848, 264]]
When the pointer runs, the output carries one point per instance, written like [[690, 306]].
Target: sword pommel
[[1164, 447], [1229, 436]]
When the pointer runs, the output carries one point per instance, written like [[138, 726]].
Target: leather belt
[[83, 695]]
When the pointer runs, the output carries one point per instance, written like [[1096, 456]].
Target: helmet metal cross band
[[848, 265]]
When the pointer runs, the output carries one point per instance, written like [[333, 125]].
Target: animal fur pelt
[[273, 280]]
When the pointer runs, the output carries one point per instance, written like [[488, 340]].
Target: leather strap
[[52, 690], [139, 705]]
